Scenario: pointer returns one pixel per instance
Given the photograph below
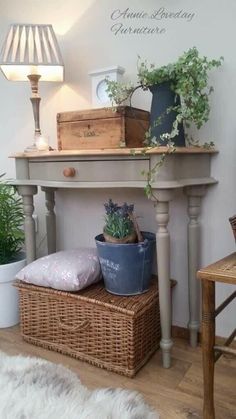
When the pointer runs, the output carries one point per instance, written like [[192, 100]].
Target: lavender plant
[[118, 223]]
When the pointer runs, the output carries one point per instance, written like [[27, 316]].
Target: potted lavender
[[119, 226], [125, 254]]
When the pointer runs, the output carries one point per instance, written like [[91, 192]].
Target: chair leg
[[208, 342]]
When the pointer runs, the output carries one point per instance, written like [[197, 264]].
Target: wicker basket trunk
[[112, 332]]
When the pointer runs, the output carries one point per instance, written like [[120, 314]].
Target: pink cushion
[[67, 270]]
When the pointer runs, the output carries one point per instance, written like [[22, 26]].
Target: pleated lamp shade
[[31, 49]]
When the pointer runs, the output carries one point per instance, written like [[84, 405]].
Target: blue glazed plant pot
[[162, 98], [127, 268]]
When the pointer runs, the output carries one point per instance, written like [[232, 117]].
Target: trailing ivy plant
[[188, 78], [11, 221]]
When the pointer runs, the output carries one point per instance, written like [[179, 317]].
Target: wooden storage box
[[123, 126], [112, 332]]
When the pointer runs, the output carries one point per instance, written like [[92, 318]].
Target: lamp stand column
[[163, 265], [194, 194], [35, 100], [27, 193]]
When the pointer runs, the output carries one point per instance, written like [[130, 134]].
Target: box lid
[[103, 113]]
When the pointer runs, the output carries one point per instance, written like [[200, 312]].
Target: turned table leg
[[163, 266], [27, 193], [208, 342], [194, 194], [50, 218]]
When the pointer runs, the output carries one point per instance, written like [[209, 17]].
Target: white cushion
[[67, 270]]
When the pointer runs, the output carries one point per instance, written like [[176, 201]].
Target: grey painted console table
[[187, 168]]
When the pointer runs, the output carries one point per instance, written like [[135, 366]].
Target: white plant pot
[[9, 298]]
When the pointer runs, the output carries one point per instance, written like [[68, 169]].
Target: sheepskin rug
[[32, 388]]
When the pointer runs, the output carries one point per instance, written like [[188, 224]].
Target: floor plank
[[176, 393]]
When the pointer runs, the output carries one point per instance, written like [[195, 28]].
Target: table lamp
[[30, 52]]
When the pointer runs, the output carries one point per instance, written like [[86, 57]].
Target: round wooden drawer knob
[[69, 172]]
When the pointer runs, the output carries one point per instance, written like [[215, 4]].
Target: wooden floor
[[175, 393]]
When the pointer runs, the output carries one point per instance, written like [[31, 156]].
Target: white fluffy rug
[[32, 388]]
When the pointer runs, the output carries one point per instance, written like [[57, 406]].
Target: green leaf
[[11, 222]]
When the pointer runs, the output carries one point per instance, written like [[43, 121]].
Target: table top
[[115, 152], [224, 270], [116, 168]]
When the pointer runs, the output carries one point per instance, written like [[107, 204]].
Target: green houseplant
[[125, 253], [11, 220], [11, 257], [180, 95]]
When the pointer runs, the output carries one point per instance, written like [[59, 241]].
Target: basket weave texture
[[112, 332]]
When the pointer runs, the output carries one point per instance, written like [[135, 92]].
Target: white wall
[[87, 43]]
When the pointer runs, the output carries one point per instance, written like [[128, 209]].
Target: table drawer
[[89, 171]]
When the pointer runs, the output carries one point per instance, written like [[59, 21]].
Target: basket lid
[[97, 294]]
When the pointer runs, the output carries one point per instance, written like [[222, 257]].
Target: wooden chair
[[224, 271]]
